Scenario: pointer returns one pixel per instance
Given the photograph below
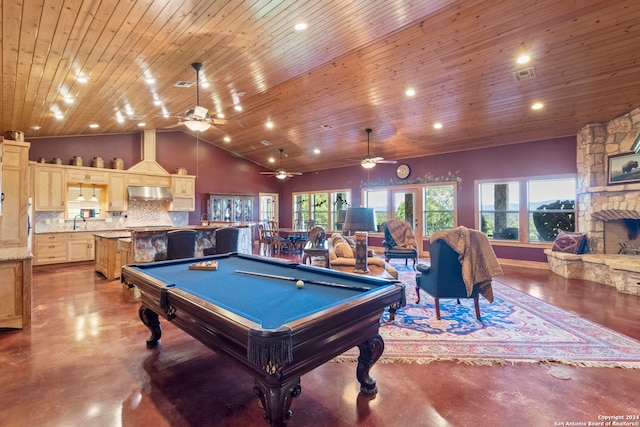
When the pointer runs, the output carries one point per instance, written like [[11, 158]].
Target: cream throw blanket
[[402, 234], [479, 262]]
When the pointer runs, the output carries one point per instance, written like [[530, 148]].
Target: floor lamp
[[360, 221]]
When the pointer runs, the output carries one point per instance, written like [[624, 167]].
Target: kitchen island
[[149, 244], [107, 259]]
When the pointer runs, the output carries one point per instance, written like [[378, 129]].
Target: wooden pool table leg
[[150, 320], [276, 400], [370, 352]]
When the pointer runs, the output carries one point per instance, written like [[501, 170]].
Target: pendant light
[[94, 198], [80, 197]]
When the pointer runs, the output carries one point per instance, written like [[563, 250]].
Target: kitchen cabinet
[[149, 180], [15, 288], [117, 192], [108, 260], [183, 188], [80, 247], [51, 248], [80, 175], [50, 188], [56, 248], [14, 223]]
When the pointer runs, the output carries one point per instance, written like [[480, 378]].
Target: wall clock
[[403, 171]]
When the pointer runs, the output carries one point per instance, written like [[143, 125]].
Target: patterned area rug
[[516, 328]]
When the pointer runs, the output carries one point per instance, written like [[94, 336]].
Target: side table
[[310, 250]]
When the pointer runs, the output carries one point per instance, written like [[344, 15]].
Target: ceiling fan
[[369, 162], [198, 119], [280, 173]]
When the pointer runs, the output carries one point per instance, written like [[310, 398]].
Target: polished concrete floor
[[84, 363]]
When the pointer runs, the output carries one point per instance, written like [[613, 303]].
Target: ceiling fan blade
[[376, 159], [387, 161], [268, 173]]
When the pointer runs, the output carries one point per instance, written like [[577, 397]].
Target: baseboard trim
[[522, 263]]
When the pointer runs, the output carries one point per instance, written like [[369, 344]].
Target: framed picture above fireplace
[[623, 168]]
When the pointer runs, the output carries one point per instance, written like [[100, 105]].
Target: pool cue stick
[[314, 282]]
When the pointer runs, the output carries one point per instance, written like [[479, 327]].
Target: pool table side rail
[[315, 339]]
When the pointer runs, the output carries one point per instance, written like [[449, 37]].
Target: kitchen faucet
[[74, 221]]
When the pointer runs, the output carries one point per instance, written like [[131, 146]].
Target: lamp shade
[[360, 219], [197, 125]]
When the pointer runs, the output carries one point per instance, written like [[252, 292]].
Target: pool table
[[251, 309]]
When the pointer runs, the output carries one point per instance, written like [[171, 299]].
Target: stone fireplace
[[609, 214], [602, 208]]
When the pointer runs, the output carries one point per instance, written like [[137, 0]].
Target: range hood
[[150, 193]]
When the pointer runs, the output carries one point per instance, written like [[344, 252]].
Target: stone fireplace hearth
[[607, 213]]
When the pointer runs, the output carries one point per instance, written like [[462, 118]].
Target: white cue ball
[[299, 283]]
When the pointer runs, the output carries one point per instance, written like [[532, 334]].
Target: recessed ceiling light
[[150, 80], [142, 124], [523, 59], [59, 116], [437, 125], [82, 78], [316, 151], [301, 26], [220, 115], [94, 125], [537, 106], [410, 92], [226, 139], [237, 107], [269, 124], [205, 85], [36, 127], [272, 160], [69, 100], [120, 119]]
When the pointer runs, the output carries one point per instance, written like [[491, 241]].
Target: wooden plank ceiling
[[321, 87]]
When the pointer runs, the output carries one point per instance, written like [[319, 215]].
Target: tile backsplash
[[140, 214]]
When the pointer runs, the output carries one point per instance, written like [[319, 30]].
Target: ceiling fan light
[[281, 175], [368, 164], [197, 126]]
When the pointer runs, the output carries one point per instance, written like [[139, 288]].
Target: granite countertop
[[113, 234]]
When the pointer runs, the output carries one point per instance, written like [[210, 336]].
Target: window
[[538, 208], [428, 208], [378, 200], [321, 207], [499, 209], [85, 202], [552, 205], [438, 213]]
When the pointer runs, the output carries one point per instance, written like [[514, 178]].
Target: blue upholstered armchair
[[444, 278], [464, 272]]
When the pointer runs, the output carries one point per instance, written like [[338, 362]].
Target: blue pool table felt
[[269, 302]]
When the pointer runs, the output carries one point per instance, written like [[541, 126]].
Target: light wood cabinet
[[15, 293], [56, 248], [117, 192], [14, 223], [51, 248], [81, 247], [79, 175], [183, 188], [15, 261], [50, 188], [149, 180], [108, 257]]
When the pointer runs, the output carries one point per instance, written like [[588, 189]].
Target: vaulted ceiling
[[322, 86]]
